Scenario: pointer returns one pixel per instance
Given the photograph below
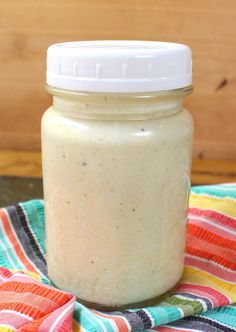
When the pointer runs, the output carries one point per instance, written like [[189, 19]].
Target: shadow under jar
[[116, 148]]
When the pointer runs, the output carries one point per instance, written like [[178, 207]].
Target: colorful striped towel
[[203, 301]]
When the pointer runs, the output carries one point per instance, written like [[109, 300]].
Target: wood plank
[[20, 163], [28, 163], [213, 171], [209, 27]]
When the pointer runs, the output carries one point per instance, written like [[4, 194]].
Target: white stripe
[[7, 311], [70, 307], [207, 221], [205, 260], [181, 328], [13, 231], [7, 326]]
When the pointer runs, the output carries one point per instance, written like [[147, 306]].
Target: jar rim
[[135, 96]]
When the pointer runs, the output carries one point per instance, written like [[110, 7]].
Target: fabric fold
[[204, 299]]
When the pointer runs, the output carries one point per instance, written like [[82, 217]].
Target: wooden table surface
[[28, 164]]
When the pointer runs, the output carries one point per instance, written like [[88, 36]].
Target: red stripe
[[210, 267], [212, 257], [211, 237], [212, 227], [219, 298], [215, 216], [22, 308], [53, 295], [120, 322], [5, 272], [27, 263]]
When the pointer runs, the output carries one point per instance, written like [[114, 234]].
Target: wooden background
[[28, 27]]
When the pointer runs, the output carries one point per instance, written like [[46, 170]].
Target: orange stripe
[[120, 322], [15, 242], [41, 303], [207, 236], [23, 308], [211, 247], [48, 293], [210, 256], [34, 325]]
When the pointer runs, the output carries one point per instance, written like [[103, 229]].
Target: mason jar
[[116, 147]]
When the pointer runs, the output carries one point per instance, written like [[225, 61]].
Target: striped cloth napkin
[[203, 301]]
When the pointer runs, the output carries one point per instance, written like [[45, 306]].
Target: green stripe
[[189, 307], [214, 191], [225, 315], [86, 319], [35, 214], [163, 315]]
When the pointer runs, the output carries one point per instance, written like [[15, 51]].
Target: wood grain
[[27, 28], [20, 163], [28, 164]]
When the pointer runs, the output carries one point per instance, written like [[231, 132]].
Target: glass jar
[[116, 174]]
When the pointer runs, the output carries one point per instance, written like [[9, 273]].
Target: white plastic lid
[[119, 66]]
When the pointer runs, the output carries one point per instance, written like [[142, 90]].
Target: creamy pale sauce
[[116, 196]]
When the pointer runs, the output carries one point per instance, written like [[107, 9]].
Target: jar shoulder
[[179, 124]]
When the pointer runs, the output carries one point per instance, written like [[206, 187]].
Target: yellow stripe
[[195, 276], [28, 273], [5, 329], [222, 205]]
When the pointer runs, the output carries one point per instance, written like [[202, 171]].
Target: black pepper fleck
[[142, 129], [84, 163], [68, 202], [92, 262], [133, 210], [63, 156], [117, 226]]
